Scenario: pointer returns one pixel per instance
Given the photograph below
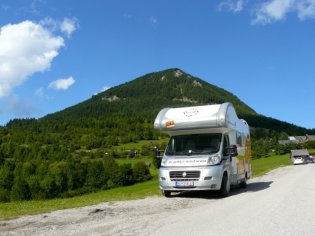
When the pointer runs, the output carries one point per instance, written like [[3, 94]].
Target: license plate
[[184, 184]]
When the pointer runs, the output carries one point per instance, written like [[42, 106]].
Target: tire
[[166, 193], [225, 187], [243, 184]]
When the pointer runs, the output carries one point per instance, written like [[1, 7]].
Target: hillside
[[148, 94], [145, 96]]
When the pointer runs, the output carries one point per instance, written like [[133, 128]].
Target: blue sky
[[55, 54]]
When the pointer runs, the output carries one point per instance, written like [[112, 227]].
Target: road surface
[[279, 203]]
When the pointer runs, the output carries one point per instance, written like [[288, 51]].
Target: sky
[[55, 54]]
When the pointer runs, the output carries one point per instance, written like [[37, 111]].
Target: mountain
[[148, 94], [145, 96]]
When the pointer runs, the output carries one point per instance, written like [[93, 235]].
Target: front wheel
[[166, 193], [225, 187]]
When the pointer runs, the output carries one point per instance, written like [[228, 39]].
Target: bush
[[4, 195], [141, 172], [124, 175]]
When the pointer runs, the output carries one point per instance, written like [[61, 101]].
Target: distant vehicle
[[299, 160], [310, 159], [299, 156], [209, 149]]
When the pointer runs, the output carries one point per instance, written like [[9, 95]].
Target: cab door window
[[226, 144]]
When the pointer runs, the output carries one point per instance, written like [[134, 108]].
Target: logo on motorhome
[[191, 112], [184, 174]]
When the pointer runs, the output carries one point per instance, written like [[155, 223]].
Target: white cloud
[[39, 92], [273, 10], [62, 84], [235, 6], [277, 10], [25, 48], [105, 88], [35, 5], [102, 90], [19, 108], [49, 24], [306, 9], [68, 26], [153, 20]]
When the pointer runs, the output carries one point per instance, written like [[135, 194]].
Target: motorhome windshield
[[194, 144]]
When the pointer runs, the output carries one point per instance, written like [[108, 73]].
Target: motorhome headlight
[[214, 160], [163, 162]]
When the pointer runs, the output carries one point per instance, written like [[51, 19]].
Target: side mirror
[[231, 151], [156, 153]]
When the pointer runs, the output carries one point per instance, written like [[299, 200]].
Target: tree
[[260, 148], [95, 174], [58, 171], [76, 173], [141, 172], [28, 168], [49, 187], [110, 168], [6, 176], [123, 176], [4, 195], [35, 189], [20, 190]]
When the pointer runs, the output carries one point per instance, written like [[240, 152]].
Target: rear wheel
[[243, 184], [225, 186]]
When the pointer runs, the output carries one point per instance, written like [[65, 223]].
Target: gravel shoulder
[[279, 203]]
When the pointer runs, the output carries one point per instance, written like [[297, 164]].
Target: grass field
[[137, 191], [263, 165]]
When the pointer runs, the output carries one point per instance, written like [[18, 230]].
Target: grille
[[184, 175]]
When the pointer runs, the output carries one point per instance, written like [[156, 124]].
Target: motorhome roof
[[197, 117]]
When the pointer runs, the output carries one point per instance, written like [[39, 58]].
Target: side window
[[226, 144], [239, 139]]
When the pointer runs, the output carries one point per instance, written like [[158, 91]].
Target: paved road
[[279, 203]]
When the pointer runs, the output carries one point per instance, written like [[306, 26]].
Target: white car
[[299, 160]]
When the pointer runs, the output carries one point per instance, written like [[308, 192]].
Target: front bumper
[[210, 178]]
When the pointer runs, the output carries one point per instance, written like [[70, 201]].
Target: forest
[[39, 161]]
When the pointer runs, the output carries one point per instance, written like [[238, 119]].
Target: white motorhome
[[209, 149]]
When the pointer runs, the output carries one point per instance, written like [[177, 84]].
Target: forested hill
[[143, 98], [148, 94], [136, 103]]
